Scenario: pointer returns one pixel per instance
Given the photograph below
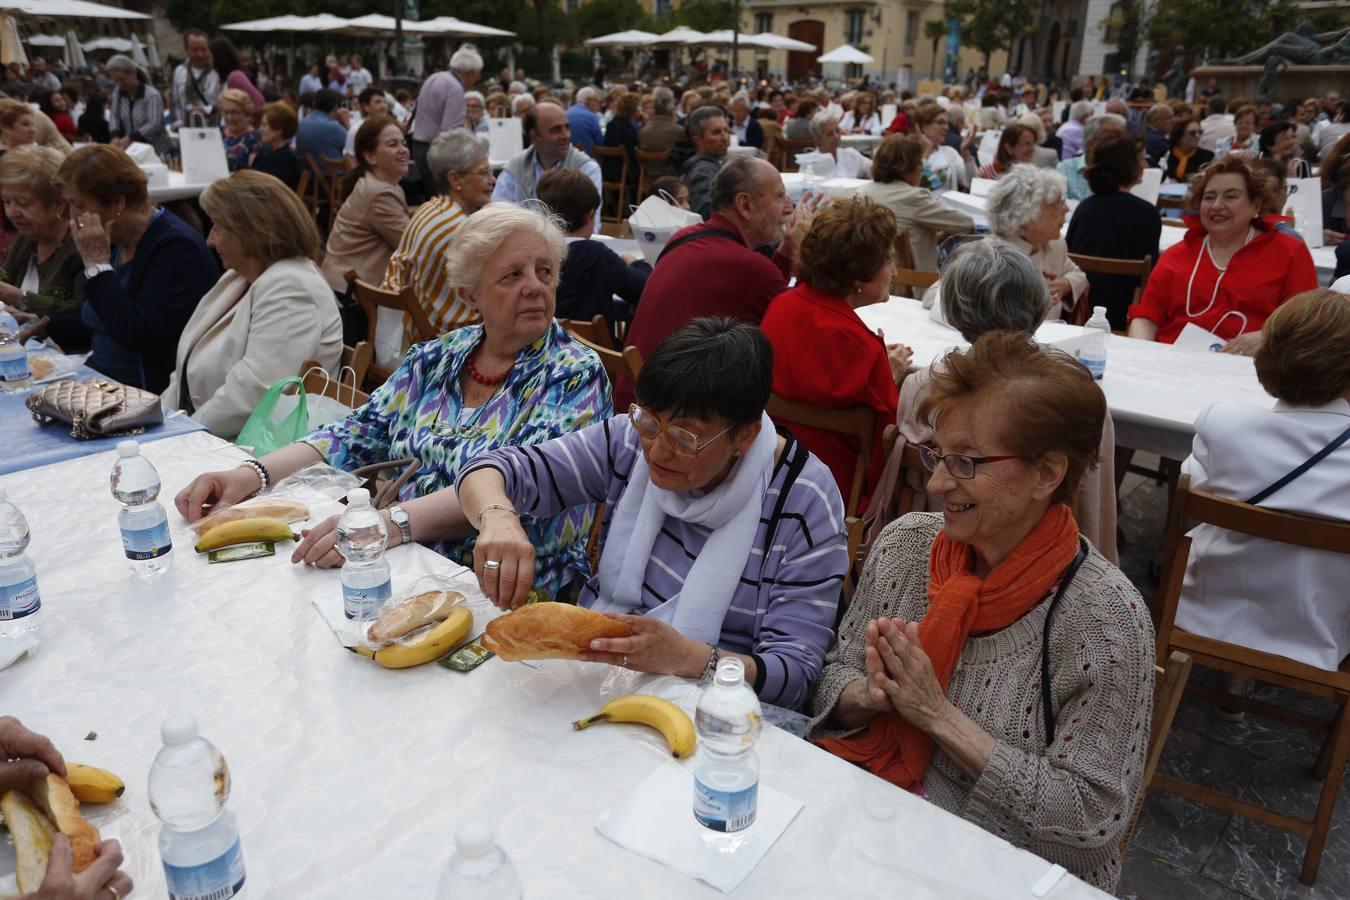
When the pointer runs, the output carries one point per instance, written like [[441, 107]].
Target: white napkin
[[657, 822], [14, 649]]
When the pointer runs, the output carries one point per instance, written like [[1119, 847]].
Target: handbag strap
[[386, 494], [1302, 467]]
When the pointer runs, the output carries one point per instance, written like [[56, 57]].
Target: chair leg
[[1323, 764], [1327, 803]]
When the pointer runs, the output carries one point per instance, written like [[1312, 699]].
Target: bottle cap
[[128, 448], [730, 671], [178, 730], [473, 839], [358, 497], [1099, 310]]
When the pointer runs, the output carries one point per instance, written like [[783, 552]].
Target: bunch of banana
[[93, 785], [433, 643], [244, 531], [673, 723]]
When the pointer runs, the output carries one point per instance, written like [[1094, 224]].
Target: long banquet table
[[1155, 391], [349, 780]]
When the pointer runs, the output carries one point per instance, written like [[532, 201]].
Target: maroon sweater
[[713, 276]]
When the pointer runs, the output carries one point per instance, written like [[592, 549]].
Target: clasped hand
[[899, 674]]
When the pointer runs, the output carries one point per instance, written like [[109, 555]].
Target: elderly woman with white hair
[[992, 285], [475, 112], [516, 379], [137, 109], [848, 163], [1027, 209]]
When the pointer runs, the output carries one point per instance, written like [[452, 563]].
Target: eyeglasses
[[959, 465], [684, 443]]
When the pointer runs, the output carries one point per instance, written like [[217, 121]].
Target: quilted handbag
[[96, 408]]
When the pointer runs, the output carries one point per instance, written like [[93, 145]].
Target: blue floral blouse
[[556, 386], [238, 150]]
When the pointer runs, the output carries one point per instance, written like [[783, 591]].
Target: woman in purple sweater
[[730, 536]]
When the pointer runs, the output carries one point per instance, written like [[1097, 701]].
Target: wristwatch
[[399, 517], [96, 269]]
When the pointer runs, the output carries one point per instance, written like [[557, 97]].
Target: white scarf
[[731, 511]]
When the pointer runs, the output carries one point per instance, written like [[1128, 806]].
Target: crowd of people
[[944, 673]]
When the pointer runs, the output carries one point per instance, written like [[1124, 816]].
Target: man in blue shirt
[[321, 133], [584, 119]]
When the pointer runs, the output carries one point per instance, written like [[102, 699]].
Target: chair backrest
[[1104, 265], [596, 331], [358, 359], [905, 491], [618, 188], [858, 423], [371, 297], [644, 160], [1169, 683], [617, 364], [904, 279], [790, 151], [853, 528]]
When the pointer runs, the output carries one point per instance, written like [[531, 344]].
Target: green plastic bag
[[263, 433]]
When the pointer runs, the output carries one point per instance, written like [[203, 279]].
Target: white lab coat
[[243, 338], [1262, 594]]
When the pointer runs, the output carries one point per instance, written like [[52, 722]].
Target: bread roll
[[413, 613], [549, 631], [32, 834], [53, 797], [288, 511]]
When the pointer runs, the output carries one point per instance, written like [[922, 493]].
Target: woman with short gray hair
[[848, 163], [993, 285], [459, 166], [1027, 209], [137, 109]]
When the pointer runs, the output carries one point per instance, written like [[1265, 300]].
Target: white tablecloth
[[1155, 391], [349, 779], [178, 188]]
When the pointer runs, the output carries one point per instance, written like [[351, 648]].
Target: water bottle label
[[147, 543], [219, 879], [19, 600], [365, 603], [14, 368], [725, 810], [1096, 367]]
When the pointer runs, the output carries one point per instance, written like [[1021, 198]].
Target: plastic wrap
[[442, 596]]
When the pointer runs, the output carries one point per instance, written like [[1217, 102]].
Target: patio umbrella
[[44, 40], [845, 54], [76, 9], [11, 48], [623, 39], [458, 27], [115, 44], [138, 53], [684, 36], [378, 25], [152, 51], [74, 52], [780, 42]]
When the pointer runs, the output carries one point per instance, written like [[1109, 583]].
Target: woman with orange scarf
[[992, 659]]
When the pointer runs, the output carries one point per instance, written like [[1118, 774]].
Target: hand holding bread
[[549, 631]]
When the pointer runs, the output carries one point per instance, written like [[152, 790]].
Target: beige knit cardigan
[[1070, 802]]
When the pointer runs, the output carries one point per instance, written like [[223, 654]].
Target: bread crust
[[413, 613], [54, 798], [549, 631], [32, 834]]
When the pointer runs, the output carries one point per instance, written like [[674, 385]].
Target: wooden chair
[[913, 279], [322, 197], [788, 162], [853, 527], [303, 192], [1102, 265], [372, 300], [618, 364], [315, 383], [645, 160], [616, 189], [1169, 684], [859, 423], [1296, 530], [596, 331], [905, 491]]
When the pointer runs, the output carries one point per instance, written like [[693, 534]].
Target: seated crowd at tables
[[732, 534]]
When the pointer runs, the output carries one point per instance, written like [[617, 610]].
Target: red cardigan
[[714, 276], [1260, 276], [824, 355]]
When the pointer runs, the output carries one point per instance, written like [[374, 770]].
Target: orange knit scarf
[[961, 604]]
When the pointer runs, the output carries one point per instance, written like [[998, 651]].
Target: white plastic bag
[[203, 155], [654, 222]]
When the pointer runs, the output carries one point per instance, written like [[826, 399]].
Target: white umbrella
[[451, 25], [115, 44], [273, 23], [845, 54], [152, 50], [44, 40], [682, 36], [378, 25], [623, 39], [780, 42], [11, 48], [76, 9], [74, 52], [138, 53]]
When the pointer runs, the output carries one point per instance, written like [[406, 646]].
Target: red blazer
[[1260, 276], [824, 355]]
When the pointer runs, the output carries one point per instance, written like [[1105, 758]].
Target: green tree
[[608, 16], [707, 15], [935, 30], [1217, 29], [992, 25]]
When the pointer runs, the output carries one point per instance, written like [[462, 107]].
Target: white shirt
[[31, 280], [1341, 284], [849, 163], [359, 79], [871, 125], [508, 189]]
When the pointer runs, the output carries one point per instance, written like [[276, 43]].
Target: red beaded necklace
[[479, 377]]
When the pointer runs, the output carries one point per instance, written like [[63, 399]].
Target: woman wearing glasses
[[1185, 156], [991, 658], [516, 379], [727, 537]]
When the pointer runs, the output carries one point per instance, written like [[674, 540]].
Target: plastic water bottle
[[361, 539], [14, 372], [19, 599], [145, 527], [726, 771], [1093, 353], [199, 843], [479, 869]]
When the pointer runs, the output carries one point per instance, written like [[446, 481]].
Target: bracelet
[[714, 655], [491, 506], [264, 477]]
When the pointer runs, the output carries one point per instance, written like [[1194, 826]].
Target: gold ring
[[112, 890]]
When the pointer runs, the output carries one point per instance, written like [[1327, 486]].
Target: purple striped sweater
[[783, 610]]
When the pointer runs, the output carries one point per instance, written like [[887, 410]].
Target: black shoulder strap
[[796, 461], [1303, 467], [1047, 702], [698, 235]]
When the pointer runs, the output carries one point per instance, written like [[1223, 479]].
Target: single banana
[[433, 644], [244, 531], [93, 785], [643, 709]]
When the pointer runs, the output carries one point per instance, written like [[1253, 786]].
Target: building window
[[573, 5], [763, 23], [854, 28], [662, 8], [911, 31]]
